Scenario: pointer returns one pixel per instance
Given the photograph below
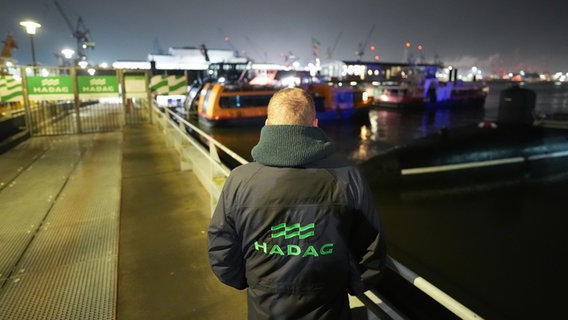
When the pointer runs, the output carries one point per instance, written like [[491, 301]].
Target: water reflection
[[390, 127]]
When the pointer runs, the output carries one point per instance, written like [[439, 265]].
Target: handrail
[[428, 288], [202, 158], [228, 151], [170, 122]]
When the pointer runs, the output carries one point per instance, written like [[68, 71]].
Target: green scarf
[[291, 145]]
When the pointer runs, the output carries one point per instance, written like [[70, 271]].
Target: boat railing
[[199, 152]]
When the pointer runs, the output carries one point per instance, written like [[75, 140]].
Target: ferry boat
[[431, 92], [409, 84], [244, 102]]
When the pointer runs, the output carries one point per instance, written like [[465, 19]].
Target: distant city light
[[291, 82]]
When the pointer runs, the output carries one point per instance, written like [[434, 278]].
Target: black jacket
[[300, 235]]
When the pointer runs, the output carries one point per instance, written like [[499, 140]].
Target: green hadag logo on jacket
[[282, 230], [287, 232]]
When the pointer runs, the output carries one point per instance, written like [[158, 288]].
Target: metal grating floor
[[59, 213]]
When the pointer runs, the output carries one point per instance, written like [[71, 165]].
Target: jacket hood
[[291, 145]]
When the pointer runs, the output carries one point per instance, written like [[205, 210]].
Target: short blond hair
[[291, 106]]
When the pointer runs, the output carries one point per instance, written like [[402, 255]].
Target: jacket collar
[[291, 145]]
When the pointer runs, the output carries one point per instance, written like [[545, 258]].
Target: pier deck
[[105, 226]]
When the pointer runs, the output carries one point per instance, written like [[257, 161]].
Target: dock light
[[67, 57], [31, 28], [67, 53]]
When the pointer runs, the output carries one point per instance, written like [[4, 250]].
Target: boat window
[[244, 101]]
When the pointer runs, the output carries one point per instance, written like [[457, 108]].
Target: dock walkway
[[105, 226]]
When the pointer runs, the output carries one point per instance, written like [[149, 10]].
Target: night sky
[[489, 34]]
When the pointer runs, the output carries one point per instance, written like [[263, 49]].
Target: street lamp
[[31, 27]]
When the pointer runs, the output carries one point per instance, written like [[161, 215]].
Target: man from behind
[[297, 227]]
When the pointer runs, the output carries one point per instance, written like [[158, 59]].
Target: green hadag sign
[[50, 88], [97, 86]]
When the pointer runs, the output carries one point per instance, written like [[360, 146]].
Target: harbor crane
[[330, 51], [80, 33], [362, 46]]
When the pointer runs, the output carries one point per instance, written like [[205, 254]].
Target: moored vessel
[[409, 84], [243, 101]]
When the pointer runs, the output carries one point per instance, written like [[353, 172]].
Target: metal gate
[[74, 100]]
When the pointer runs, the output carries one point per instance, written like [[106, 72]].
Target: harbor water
[[499, 250]]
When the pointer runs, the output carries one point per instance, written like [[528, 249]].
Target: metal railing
[[201, 156], [197, 154]]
